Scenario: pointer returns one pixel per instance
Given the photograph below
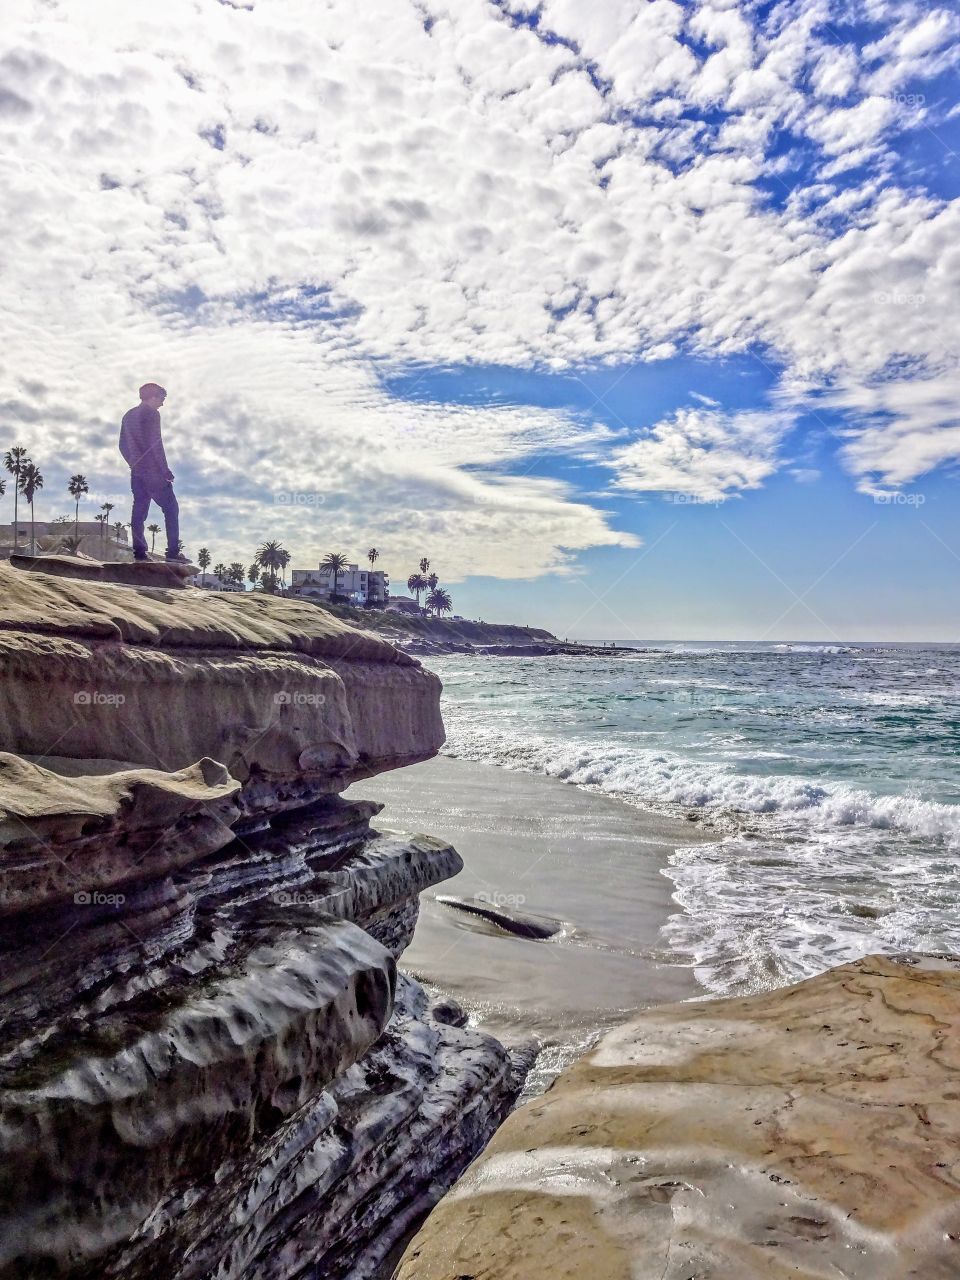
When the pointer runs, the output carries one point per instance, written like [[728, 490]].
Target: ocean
[[826, 777]]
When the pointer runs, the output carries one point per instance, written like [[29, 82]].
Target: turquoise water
[[826, 777]]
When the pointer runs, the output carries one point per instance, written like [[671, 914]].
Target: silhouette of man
[[150, 478]]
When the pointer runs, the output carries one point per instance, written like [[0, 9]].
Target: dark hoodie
[[142, 445]]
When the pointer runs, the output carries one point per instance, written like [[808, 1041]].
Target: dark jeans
[[146, 489]]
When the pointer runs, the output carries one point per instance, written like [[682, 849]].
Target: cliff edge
[[209, 1062]]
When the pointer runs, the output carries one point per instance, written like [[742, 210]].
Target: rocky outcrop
[[209, 1063], [806, 1132], [131, 573], [522, 924], [281, 693]]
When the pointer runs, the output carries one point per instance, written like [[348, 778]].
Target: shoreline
[[539, 850], [422, 635]]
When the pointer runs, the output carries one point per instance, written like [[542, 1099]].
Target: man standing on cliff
[[150, 478]]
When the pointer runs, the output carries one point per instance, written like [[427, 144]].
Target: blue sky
[[638, 318], [806, 556]]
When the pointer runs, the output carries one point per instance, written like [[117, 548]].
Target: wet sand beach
[[554, 859]]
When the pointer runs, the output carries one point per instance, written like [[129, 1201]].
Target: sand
[[537, 846]]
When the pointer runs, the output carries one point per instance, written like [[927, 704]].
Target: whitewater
[[827, 778]]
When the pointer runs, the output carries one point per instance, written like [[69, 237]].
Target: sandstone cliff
[[809, 1132], [209, 1065]]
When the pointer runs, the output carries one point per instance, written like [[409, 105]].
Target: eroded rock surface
[[131, 573], [809, 1132], [291, 700], [209, 1064]]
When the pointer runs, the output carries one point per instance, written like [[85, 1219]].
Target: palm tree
[[235, 573], [417, 583], [373, 555], [253, 574], [439, 600], [77, 488], [334, 563], [15, 460], [119, 529], [270, 556], [153, 530], [30, 481], [101, 518], [424, 566], [432, 581], [220, 571], [284, 561], [203, 560], [106, 508]]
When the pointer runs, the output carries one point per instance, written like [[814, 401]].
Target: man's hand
[[171, 477]]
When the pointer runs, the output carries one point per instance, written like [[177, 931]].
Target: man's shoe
[[177, 559], [140, 559]]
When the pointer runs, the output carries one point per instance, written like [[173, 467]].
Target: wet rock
[[448, 1012], [521, 924], [210, 1065]]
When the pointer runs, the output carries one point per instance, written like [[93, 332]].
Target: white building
[[356, 584], [96, 540]]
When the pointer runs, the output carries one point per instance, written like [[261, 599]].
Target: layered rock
[[806, 1132], [132, 573], [209, 1065], [278, 691]]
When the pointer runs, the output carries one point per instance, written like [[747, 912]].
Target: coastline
[[431, 636], [536, 848]]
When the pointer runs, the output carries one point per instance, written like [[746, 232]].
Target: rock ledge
[[806, 1132], [210, 1066]]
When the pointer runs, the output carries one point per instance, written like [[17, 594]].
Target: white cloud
[[835, 72], [849, 128], [267, 206], [903, 427], [703, 453], [922, 43]]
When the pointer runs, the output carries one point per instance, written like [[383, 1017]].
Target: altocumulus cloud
[[268, 203], [703, 453]]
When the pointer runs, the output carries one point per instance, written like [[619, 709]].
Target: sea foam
[[659, 778]]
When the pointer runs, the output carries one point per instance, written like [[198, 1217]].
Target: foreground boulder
[[808, 1132], [209, 1063]]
